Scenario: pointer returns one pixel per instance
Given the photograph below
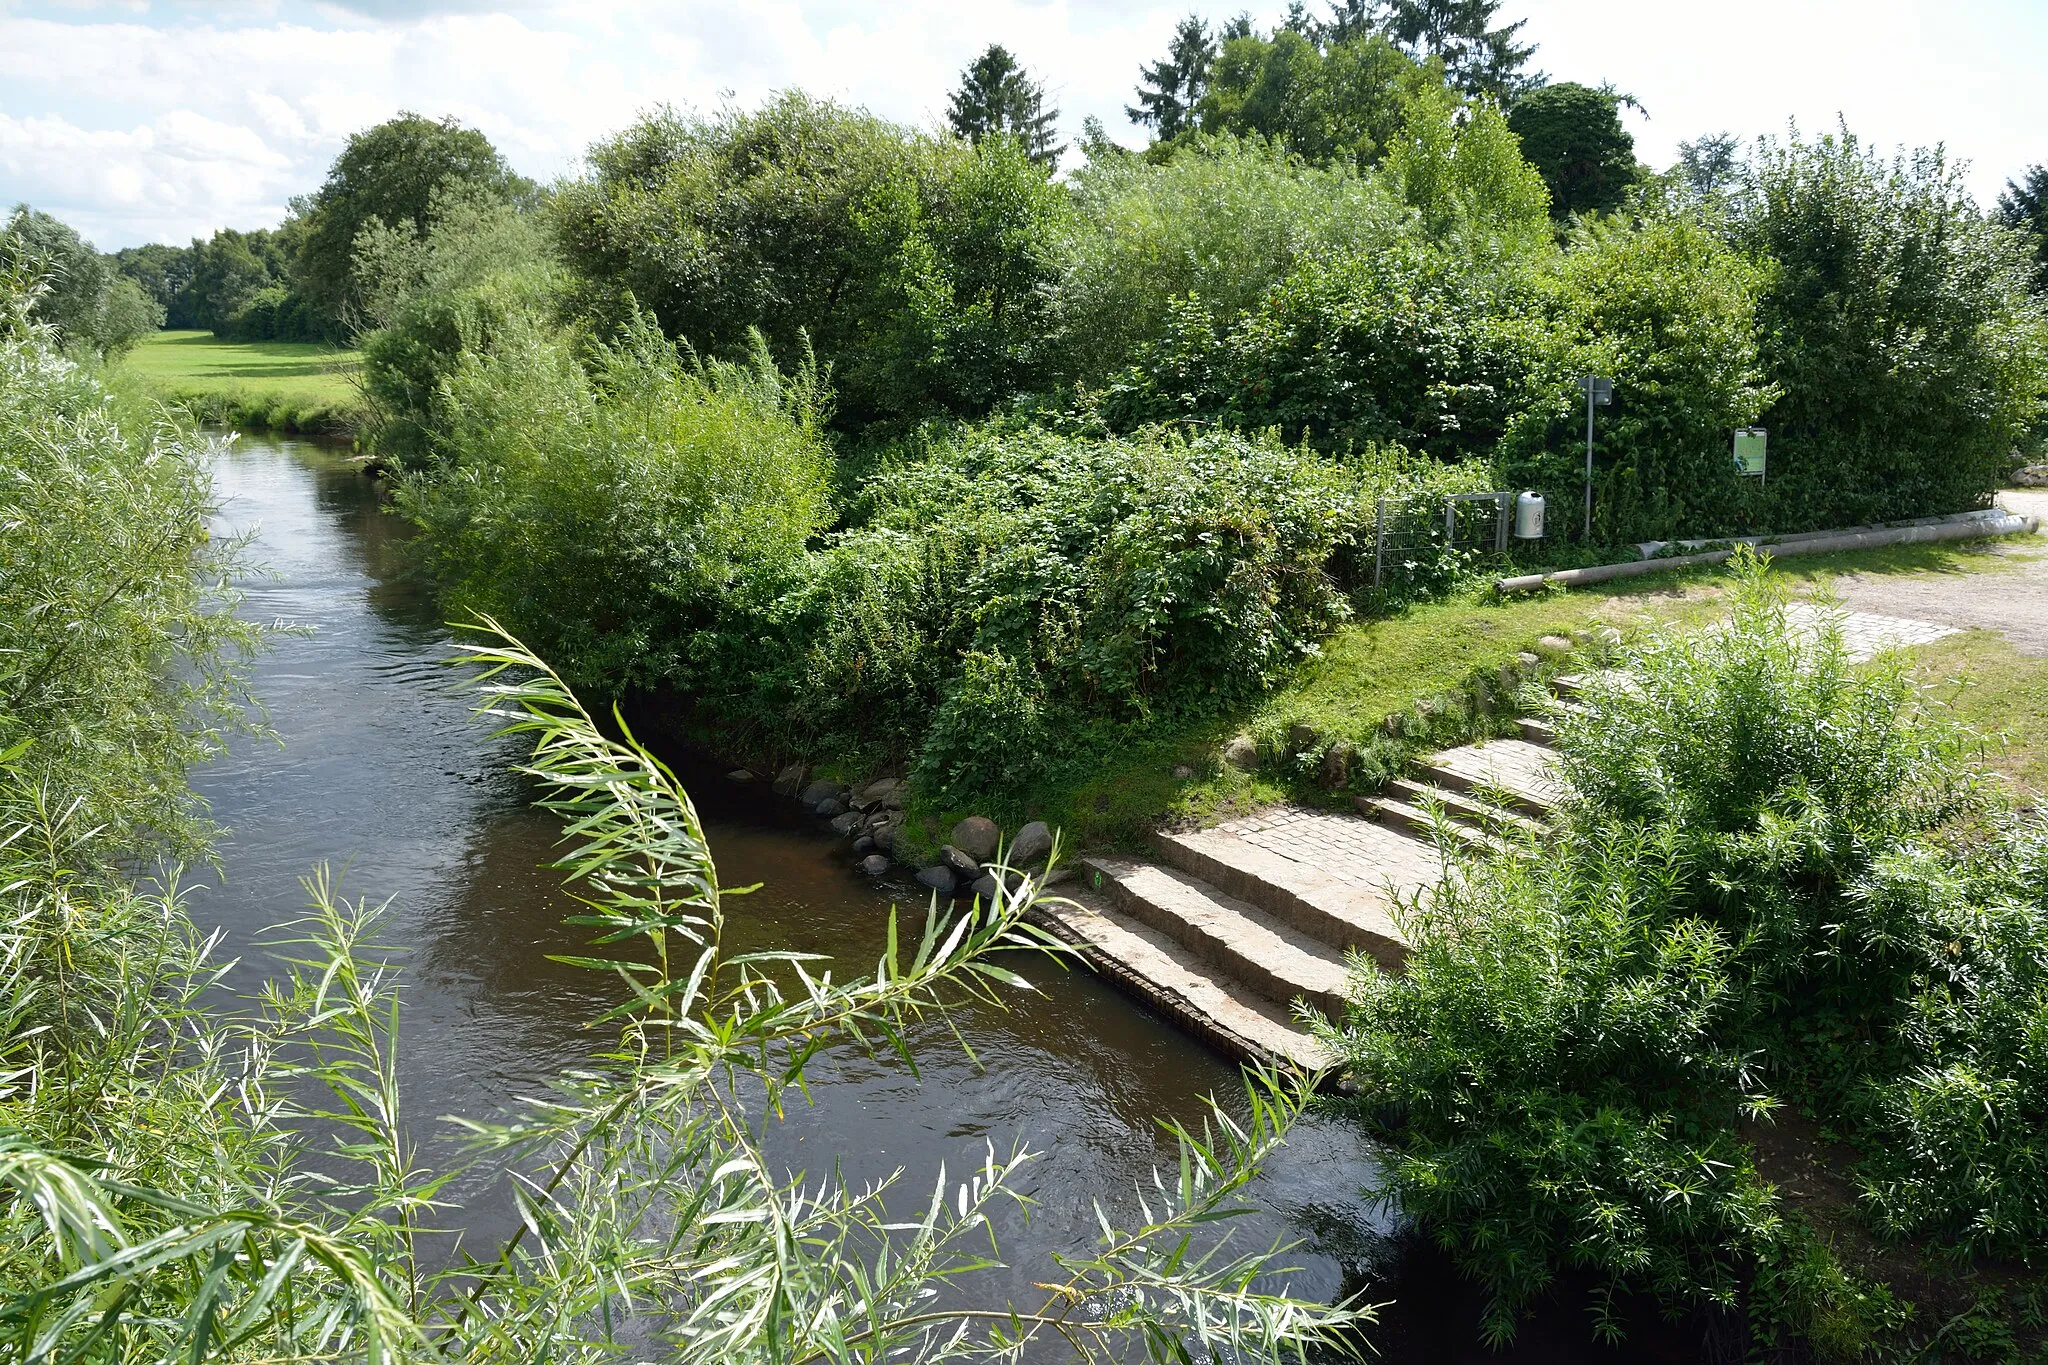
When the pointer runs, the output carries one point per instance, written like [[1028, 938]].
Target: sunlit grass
[[280, 385]]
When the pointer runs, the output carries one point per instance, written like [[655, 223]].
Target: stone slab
[[1524, 771], [1153, 968], [1280, 962], [1309, 874]]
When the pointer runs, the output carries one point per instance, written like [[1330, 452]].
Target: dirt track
[[2011, 597]]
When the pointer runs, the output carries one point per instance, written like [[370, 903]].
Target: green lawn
[[280, 385]]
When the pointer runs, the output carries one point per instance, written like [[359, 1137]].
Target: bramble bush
[[1778, 880], [1013, 596]]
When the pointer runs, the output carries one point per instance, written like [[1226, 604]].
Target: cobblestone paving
[[1867, 634], [1511, 765], [1354, 850]]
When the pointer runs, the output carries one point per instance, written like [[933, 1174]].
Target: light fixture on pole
[[1599, 393]]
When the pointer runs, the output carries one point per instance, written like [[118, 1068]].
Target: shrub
[[479, 272], [1898, 329], [913, 264], [1667, 311], [603, 513], [118, 668], [1764, 889], [1091, 584], [1406, 345], [1217, 226]]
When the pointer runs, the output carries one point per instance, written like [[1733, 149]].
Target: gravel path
[[2011, 597]]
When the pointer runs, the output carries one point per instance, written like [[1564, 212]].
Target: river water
[[384, 776]]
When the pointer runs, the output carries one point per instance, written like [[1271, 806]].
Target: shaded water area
[[384, 775]]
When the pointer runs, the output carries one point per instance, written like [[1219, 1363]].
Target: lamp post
[[1599, 393]]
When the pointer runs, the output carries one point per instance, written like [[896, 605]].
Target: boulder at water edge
[[1031, 845], [985, 889], [790, 780], [939, 879], [886, 792], [823, 789], [978, 836], [831, 806], [875, 865], [846, 822], [960, 861]]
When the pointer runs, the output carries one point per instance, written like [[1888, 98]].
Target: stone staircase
[[1228, 929]]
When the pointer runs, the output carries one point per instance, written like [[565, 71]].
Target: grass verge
[[287, 386]]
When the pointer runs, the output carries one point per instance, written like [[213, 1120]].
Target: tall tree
[[997, 95], [2024, 206], [1478, 57], [1710, 164], [89, 304], [1572, 135], [390, 172], [1168, 90]]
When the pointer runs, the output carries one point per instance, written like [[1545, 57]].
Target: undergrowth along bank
[[1780, 882]]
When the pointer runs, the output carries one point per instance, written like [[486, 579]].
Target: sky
[[160, 120]]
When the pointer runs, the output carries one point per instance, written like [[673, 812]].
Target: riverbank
[[288, 387], [1447, 672]]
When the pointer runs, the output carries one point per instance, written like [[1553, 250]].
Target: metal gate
[[1418, 525]]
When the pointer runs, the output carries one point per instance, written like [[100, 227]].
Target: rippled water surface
[[383, 775]]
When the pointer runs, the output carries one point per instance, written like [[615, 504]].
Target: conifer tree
[[997, 95], [1168, 90], [1478, 58], [2024, 206]]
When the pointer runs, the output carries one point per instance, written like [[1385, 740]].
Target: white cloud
[[159, 122]]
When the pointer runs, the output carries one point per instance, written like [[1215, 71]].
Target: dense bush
[[1668, 312], [478, 271], [1764, 893], [1407, 344], [1015, 598], [1219, 224], [914, 264], [1897, 326], [117, 671], [601, 512]]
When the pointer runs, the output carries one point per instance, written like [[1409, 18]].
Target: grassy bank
[[287, 386], [1442, 672]]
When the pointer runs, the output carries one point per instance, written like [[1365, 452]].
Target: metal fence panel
[[1474, 521]]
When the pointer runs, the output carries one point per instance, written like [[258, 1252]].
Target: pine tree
[[1478, 59], [1167, 90], [997, 95], [2024, 207]]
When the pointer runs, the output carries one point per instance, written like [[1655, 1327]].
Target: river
[[383, 774]]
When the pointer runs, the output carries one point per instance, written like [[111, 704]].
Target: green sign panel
[[1749, 451]]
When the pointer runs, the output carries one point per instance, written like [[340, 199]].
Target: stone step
[[1537, 731], [1514, 772], [1413, 819], [1277, 961], [1150, 966], [1462, 807], [1341, 914]]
